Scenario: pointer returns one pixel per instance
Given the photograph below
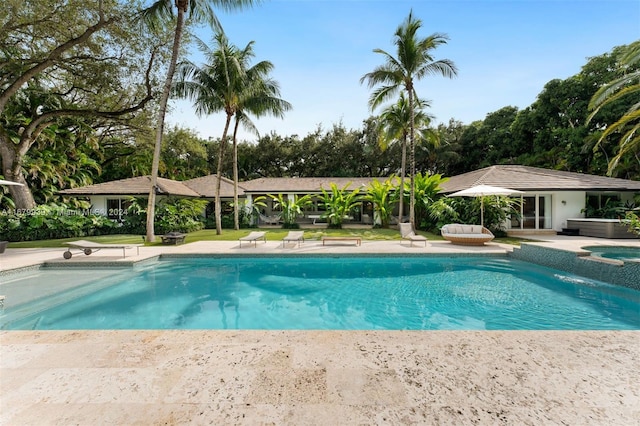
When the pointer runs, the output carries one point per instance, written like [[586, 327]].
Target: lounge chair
[[88, 247], [407, 233], [253, 236], [294, 236], [470, 235], [270, 220]]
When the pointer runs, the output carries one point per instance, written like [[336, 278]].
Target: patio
[[297, 377]]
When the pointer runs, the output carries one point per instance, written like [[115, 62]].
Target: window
[[117, 208]]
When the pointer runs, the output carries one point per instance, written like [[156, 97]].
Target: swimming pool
[[351, 293], [625, 253]]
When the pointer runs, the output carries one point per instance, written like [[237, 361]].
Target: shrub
[[53, 221]]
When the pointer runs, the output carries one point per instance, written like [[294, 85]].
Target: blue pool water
[[381, 293], [615, 252]]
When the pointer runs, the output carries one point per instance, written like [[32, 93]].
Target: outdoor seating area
[[475, 235]]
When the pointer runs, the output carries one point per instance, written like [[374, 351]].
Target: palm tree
[[414, 61], [161, 12], [629, 123], [216, 87], [394, 123], [259, 96]]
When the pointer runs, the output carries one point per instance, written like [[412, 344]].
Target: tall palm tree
[[394, 124], [258, 96], [629, 123], [161, 12], [216, 87], [414, 61]]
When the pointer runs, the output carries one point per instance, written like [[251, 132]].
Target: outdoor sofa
[[473, 235]]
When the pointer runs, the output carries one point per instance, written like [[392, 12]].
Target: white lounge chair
[[253, 236], [407, 233], [294, 236], [88, 247]]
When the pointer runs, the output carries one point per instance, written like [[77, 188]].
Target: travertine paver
[[320, 377]]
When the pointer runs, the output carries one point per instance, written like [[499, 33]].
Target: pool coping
[[307, 377]]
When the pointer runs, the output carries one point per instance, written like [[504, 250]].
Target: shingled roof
[[133, 186], [303, 185], [206, 186], [525, 178]]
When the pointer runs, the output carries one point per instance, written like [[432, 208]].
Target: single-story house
[[112, 198], [550, 197]]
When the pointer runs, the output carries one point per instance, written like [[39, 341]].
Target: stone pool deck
[[316, 377]]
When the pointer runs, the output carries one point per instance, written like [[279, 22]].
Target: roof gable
[[526, 178], [133, 186]]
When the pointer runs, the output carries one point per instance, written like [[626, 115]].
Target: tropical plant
[[339, 203], [629, 124], [394, 123], [257, 95], [52, 221], [290, 208], [161, 13], [414, 61], [497, 210], [172, 214], [219, 86], [632, 220], [383, 196], [427, 188]]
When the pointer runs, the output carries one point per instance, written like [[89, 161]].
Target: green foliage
[[426, 189], [171, 214], [384, 197], [339, 203], [625, 86], [52, 221], [632, 220], [611, 209], [497, 210], [290, 208]]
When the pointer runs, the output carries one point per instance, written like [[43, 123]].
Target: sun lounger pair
[[255, 236], [88, 247]]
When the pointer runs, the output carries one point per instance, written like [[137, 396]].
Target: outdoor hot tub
[[624, 253], [601, 228]]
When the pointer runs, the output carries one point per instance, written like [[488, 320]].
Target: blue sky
[[505, 52]]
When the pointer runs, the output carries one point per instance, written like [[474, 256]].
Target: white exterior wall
[[571, 208]]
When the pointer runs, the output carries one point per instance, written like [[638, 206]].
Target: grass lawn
[[273, 234]]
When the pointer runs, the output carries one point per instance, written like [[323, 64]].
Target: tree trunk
[[403, 172], [218, 201], [166, 91], [412, 161], [236, 216], [12, 170]]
